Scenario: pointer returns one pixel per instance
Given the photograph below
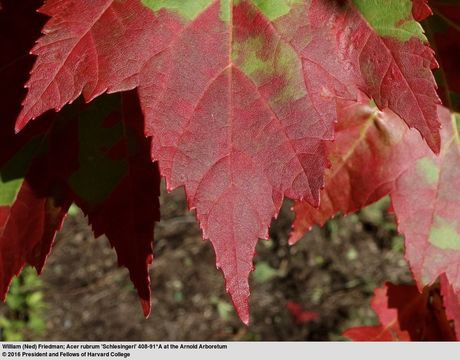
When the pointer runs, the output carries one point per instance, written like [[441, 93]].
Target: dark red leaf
[[406, 314], [421, 10], [443, 30], [47, 155], [451, 302]]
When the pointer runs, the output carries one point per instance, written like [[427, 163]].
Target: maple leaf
[[117, 185], [371, 150], [237, 95], [28, 221], [406, 314], [420, 185], [27, 230], [109, 175], [93, 155], [426, 208], [389, 330], [387, 50]]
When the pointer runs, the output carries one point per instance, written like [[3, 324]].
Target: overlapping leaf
[[426, 203], [93, 155], [421, 10], [371, 150], [28, 221], [451, 302], [406, 314], [238, 96], [424, 200], [389, 330], [109, 175], [117, 185]]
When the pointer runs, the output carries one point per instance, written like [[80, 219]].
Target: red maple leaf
[[238, 100], [371, 150], [421, 186], [28, 225], [426, 206], [44, 169], [406, 315]]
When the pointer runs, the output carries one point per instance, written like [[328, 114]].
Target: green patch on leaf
[[428, 170], [444, 235], [247, 55], [274, 9], [9, 191], [225, 10], [262, 65], [391, 18], [456, 121], [188, 9], [12, 173]]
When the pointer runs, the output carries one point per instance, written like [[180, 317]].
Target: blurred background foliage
[[22, 316], [332, 271]]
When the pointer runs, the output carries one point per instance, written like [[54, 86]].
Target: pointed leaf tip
[[241, 305], [421, 10], [146, 305], [18, 126]]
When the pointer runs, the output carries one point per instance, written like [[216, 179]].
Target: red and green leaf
[[426, 204], [237, 95]]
